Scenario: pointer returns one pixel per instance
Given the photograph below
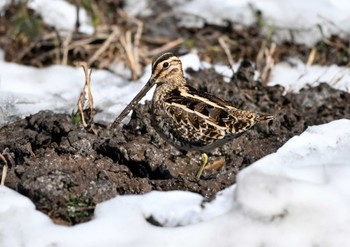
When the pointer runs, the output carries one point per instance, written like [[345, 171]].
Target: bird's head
[[167, 68]]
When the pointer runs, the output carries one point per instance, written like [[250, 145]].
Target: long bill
[[133, 103]]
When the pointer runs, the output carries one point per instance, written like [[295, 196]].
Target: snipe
[[187, 118]]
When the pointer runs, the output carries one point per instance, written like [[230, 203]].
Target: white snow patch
[[62, 15], [294, 75], [138, 8], [26, 90]]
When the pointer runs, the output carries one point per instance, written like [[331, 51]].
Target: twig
[[57, 49], [311, 57], [165, 47], [226, 49], [131, 46], [91, 100], [86, 97], [66, 49], [335, 44], [137, 44], [4, 170], [265, 61], [84, 42], [32, 45], [105, 45], [125, 41]]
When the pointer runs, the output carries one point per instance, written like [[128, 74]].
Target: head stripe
[[160, 59]]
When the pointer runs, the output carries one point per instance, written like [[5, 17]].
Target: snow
[[309, 20], [56, 87], [294, 75], [297, 196], [60, 14], [3, 4]]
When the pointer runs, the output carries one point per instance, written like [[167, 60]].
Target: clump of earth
[[66, 170]]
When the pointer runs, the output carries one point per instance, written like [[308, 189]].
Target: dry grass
[[122, 39], [85, 103], [4, 170]]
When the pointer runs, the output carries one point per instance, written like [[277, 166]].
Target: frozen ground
[[297, 196]]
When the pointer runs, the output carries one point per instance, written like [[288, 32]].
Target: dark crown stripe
[[160, 59]]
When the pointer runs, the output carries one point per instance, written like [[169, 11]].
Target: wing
[[207, 114]]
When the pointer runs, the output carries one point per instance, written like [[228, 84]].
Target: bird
[[187, 118]]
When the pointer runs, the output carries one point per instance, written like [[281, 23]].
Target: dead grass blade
[[112, 37], [168, 46], [131, 45], [4, 170], [265, 61], [225, 47], [65, 49], [312, 56], [85, 103]]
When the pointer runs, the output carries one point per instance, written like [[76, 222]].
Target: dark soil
[[66, 170]]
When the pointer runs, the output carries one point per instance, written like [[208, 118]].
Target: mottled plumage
[[187, 118], [197, 121]]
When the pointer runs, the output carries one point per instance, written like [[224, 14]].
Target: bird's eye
[[165, 65]]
